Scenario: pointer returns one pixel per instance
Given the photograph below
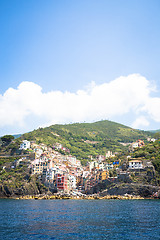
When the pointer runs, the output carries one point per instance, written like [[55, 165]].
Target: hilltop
[[85, 139]]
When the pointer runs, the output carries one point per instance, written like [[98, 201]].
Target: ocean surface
[[79, 219]]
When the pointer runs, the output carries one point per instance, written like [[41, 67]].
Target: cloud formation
[[141, 121], [124, 95]]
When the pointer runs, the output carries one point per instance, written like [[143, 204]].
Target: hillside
[[84, 139], [150, 152]]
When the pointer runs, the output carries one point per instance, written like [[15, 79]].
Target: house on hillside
[[151, 139], [138, 144], [25, 145], [109, 154], [135, 164], [39, 166]]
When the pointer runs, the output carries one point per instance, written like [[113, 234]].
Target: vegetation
[[85, 139], [16, 179], [11, 148], [157, 135], [6, 139], [150, 152]]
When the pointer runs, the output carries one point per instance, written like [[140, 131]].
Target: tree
[[157, 135], [6, 139]]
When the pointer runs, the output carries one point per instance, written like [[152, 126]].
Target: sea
[[79, 219]]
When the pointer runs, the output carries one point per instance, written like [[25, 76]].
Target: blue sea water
[[80, 219]]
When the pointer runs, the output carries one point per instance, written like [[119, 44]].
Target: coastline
[[89, 197]]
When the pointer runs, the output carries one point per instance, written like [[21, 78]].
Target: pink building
[[62, 182]]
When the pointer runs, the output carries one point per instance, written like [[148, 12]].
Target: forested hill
[[84, 139]]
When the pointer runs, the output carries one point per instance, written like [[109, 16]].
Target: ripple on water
[[82, 219]]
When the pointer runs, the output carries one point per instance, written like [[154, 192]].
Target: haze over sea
[[79, 219]]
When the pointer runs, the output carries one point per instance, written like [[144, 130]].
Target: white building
[[109, 166], [135, 145], [72, 180], [109, 154], [151, 139], [85, 174], [102, 166], [50, 174], [38, 152], [135, 164], [92, 165], [25, 145]]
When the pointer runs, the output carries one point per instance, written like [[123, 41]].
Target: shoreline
[[90, 197]]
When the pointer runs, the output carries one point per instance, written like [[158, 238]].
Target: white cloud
[[140, 122], [124, 95], [152, 107]]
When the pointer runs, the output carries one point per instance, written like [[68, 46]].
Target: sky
[[79, 61]]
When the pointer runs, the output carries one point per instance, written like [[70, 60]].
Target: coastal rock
[[132, 189], [26, 188]]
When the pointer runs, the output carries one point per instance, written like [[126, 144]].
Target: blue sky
[[77, 48]]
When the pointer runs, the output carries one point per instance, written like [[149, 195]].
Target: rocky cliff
[[30, 187], [131, 188]]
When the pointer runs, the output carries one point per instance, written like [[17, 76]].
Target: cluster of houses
[[95, 172], [55, 168], [66, 173]]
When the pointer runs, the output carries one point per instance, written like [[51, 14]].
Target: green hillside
[[84, 139], [150, 152]]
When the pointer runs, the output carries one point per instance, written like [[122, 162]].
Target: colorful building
[[62, 182]]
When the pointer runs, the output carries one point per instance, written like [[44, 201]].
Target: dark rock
[[134, 189]]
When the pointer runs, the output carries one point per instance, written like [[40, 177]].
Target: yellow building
[[104, 175]]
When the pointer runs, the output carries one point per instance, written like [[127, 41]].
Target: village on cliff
[[65, 174]]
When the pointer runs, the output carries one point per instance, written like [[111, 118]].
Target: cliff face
[[131, 188], [32, 187], [35, 187]]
